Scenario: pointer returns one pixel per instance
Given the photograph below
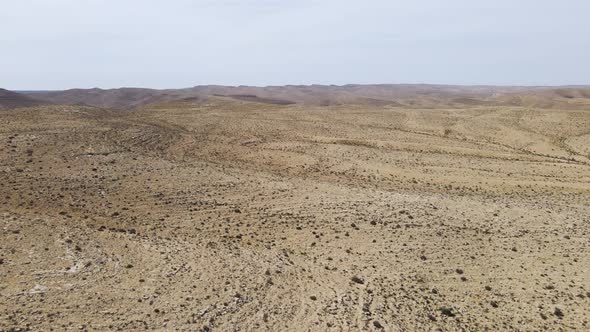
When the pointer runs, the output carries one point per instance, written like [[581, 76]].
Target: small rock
[[449, 312], [358, 280], [558, 313]]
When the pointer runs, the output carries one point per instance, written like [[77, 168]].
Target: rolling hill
[[402, 95], [10, 99]]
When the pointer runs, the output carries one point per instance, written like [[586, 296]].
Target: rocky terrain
[[249, 211]]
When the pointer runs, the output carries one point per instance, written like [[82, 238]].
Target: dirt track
[[236, 216]]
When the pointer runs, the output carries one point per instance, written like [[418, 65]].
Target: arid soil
[[232, 214]]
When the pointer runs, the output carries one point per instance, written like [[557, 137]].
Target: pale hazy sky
[[57, 44]]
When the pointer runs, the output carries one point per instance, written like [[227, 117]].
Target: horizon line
[[311, 85]]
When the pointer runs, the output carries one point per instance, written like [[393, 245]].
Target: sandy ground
[[237, 216]]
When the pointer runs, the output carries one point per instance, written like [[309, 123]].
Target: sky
[[60, 44]]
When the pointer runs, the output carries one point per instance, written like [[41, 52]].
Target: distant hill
[[10, 99], [112, 98], [562, 97], [403, 95]]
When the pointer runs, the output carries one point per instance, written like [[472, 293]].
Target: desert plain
[[296, 209]]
